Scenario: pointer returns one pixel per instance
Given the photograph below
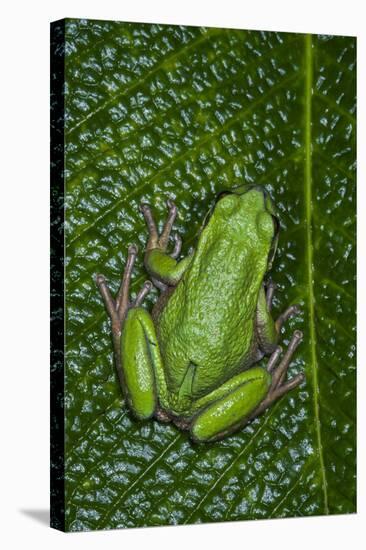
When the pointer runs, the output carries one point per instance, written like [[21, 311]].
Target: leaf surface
[[156, 111]]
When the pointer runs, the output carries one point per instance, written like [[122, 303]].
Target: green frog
[[193, 360]]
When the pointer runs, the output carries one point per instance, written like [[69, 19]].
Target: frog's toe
[[289, 385], [279, 373], [151, 225], [143, 207], [144, 291], [177, 246], [133, 250], [100, 279], [273, 360], [165, 234], [171, 206], [289, 312], [278, 384]]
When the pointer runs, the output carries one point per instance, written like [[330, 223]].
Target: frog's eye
[[218, 199], [226, 204]]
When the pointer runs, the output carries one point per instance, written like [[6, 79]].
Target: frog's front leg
[[267, 329], [137, 355], [164, 269], [244, 397]]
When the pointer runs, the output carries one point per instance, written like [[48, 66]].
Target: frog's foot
[[278, 385], [289, 312], [117, 308], [270, 289], [177, 246], [161, 241]]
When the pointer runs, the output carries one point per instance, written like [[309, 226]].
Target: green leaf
[[156, 111]]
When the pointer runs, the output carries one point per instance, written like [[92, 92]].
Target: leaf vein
[[232, 463], [107, 516], [204, 36], [238, 116]]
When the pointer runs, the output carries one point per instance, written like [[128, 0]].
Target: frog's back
[[208, 322]]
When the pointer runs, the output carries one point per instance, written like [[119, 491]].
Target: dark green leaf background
[[156, 111]]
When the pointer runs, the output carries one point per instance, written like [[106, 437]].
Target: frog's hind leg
[[117, 308], [244, 397], [142, 365], [136, 349], [278, 385], [229, 407], [155, 240]]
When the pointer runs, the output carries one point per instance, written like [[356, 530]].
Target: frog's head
[[249, 210]]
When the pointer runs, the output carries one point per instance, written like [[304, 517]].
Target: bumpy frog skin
[[192, 360]]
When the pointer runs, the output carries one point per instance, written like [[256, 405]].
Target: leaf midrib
[[309, 252]]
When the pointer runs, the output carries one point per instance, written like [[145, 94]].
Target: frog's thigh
[[244, 393], [141, 362]]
